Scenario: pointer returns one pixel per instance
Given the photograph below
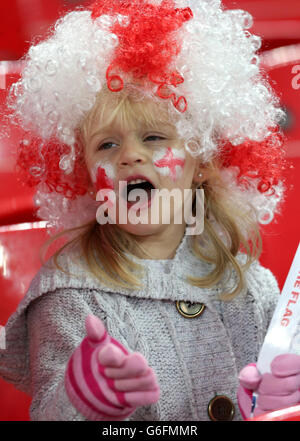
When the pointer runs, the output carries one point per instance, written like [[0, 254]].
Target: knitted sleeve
[[56, 326]]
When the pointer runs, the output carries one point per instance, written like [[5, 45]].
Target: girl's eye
[[153, 138], [106, 145]]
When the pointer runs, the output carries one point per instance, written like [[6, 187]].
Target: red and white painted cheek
[[103, 176], [169, 162]]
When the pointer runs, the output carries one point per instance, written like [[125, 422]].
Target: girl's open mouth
[[143, 197]]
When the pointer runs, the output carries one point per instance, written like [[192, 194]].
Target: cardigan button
[[221, 408], [189, 310]]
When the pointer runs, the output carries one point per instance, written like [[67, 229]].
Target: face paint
[[103, 175], [169, 162]]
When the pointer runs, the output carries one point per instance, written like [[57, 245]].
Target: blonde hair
[[105, 247]]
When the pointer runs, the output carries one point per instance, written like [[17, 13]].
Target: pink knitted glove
[[276, 390], [103, 381]]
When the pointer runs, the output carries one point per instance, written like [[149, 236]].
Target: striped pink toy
[[105, 382]]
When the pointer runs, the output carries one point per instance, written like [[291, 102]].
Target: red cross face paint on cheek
[[169, 162], [103, 175]]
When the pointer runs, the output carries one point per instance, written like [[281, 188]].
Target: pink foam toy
[[104, 381]]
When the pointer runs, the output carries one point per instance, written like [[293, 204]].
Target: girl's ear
[[91, 189], [201, 173], [92, 193], [201, 170]]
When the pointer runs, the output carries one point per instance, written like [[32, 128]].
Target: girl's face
[[147, 155]]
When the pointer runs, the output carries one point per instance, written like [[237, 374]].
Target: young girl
[[146, 321]]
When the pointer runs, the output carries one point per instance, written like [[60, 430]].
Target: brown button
[[189, 310], [221, 408]]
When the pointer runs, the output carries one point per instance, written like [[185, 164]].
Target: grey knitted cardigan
[[194, 359]]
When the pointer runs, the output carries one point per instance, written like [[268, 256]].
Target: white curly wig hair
[[227, 96]]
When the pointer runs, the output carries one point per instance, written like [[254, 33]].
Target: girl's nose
[[131, 154]]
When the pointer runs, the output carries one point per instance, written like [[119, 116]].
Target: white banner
[[283, 334]]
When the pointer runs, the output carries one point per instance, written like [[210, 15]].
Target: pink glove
[[103, 381], [276, 390]]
